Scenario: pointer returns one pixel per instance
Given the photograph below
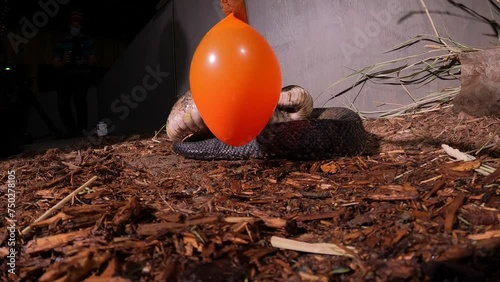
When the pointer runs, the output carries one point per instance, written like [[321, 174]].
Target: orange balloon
[[235, 81]]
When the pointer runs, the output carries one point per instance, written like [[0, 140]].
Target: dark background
[[27, 76], [118, 21], [106, 18]]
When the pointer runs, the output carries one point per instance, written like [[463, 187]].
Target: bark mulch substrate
[[407, 209]]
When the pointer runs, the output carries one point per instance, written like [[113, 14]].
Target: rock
[[480, 79]]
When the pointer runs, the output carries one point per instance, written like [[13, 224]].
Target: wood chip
[[330, 167], [76, 267], [51, 242], [128, 213], [486, 235], [319, 216], [451, 212], [466, 166], [437, 186], [394, 193], [314, 248], [157, 229]]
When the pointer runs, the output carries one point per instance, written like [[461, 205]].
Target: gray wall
[[320, 41], [316, 41]]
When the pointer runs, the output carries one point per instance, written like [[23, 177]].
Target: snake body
[[296, 131]]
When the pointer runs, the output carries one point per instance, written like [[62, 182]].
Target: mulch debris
[[403, 211]]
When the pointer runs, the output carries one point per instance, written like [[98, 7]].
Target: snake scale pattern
[[296, 132]]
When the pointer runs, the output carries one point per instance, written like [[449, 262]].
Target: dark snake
[[296, 131]]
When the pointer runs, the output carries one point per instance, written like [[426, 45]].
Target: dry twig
[[59, 204]]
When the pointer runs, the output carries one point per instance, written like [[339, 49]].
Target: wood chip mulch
[[403, 211]]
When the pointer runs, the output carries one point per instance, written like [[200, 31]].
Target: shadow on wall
[[473, 15], [140, 89], [182, 60], [477, 16]]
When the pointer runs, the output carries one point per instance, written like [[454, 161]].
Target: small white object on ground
[[102, 129], [459, 156]]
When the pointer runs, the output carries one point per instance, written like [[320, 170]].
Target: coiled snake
[[296, 131]]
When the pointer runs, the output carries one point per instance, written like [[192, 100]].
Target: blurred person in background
[[74, 58]]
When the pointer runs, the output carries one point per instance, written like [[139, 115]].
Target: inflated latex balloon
[[235, 80]]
